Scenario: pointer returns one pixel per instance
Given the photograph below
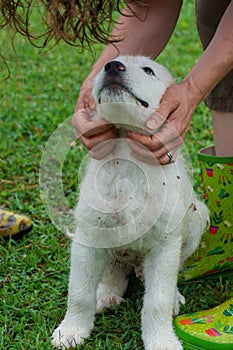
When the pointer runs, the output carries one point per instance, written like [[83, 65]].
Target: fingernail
[[151, 123]]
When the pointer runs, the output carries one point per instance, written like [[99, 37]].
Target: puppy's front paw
[[66, 336]]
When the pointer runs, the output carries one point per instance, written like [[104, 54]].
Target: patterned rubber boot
[[215, 252], [12, 224], [211, 329]]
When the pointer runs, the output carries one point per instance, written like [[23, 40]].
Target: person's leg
[[223, 133], [217, 184], [213, 329], [216, 161], [220, 100]]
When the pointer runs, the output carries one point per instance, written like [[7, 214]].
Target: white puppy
[[131, 214]]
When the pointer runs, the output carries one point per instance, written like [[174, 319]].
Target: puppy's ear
[[169, 80], [164, 75]]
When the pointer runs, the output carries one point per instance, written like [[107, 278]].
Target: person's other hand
[[169, 125]]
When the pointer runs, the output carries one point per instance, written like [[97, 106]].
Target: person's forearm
[[146, 35], [216, 61]]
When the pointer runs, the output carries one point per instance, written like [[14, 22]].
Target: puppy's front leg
[[161, 267], [87, 265]]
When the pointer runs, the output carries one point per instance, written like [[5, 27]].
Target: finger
[[168, 105], [150, 157], [171, 146], [86, 99], [144, 140], [165, 159], [155, 121], [159, 141], [80, 118], [144, 155], [103, 149], [141, 153], [93, 141], [159, 144], [82, 123], [98, 127]]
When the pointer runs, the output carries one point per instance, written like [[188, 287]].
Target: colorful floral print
[[209, 329]]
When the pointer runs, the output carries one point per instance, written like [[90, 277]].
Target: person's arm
[[180, 100], [144, 34]]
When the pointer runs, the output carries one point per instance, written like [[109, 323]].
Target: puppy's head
[[128, 90]]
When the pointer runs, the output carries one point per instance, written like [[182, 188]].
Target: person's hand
[[97, 136], [168, 124]]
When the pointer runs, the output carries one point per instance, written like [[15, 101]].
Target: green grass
[[40, 93]]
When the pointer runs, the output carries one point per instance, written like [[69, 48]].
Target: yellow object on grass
[[13, 223]]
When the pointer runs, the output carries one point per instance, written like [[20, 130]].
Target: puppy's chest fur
[[128, 202], [119, 189]]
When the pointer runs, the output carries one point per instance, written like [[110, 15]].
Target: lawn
[[40, 94]]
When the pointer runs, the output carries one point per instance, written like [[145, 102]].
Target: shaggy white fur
[[131, 214]]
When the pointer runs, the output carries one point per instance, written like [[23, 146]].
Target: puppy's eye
[[148, 70]]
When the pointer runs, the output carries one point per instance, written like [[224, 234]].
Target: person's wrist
[[194, 90]]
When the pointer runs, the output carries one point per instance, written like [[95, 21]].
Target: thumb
[[167, 105], [155, 121]]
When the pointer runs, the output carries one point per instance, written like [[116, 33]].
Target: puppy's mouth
[[115, 88]]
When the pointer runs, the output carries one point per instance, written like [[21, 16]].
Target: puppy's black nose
[[114, 67]]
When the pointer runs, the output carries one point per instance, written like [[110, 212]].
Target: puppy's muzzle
[[114, 76], [114, 80], [114, 68]]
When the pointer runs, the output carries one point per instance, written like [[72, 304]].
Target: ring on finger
[[171, 160]]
